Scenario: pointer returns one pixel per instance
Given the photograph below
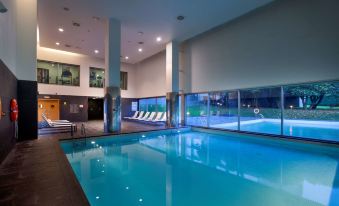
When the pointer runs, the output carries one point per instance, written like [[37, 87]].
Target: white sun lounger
[[163, 119], [55, 121], [151, 117], [139, 115], [134, 116], [145, 116], [158, 117]]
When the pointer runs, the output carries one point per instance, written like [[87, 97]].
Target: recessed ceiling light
[[57, 43], [126, 57], [76, 24], [61, 29], [140, 49], [180, 17], [140, 33], [96, 51], [159, 39]]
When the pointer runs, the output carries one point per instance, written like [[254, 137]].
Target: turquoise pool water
[[203, 169]]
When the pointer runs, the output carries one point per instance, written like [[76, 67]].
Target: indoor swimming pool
[[203, 167]]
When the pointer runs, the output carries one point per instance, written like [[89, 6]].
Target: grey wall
[[8, 90], [288, 41], [151, 76]]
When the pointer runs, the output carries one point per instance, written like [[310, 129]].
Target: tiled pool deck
[[37, 172]]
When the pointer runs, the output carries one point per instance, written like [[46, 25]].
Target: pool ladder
[[79, 143]]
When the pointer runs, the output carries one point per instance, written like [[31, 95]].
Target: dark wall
[[8, 90], [28, 109], [65, 107], [95, 109], [126, 106], [82, 116]]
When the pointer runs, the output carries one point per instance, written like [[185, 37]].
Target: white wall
[[85, 62], [286, 42], [151, 76], [7, 35], [18, 37]]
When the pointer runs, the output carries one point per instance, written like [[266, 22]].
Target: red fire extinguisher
[[14, 115]]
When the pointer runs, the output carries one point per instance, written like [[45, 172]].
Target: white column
[[112, 52], [172, 84], [172, 67]]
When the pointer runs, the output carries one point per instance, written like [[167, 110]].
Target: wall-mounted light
[[3, 9]]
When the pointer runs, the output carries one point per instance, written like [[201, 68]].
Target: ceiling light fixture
[[76, 24], [61, 29], [140, 33], [126, 57], [57, 43], [140, 49], [159, 39], [180, 18], [96, 51]]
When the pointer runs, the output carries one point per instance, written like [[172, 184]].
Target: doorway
[[50, 107], [95, 109]]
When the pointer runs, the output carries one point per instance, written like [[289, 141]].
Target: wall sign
[[134, 106]]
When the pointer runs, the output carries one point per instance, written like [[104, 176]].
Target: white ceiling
[[152, 17]]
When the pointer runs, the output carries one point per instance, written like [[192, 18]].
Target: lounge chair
[[151, 117], [145, 116], [141, 114], [60, 124], [163, 119], [54, 121], [134, 116], [158, 117]]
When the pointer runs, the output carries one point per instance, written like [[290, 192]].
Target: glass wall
[[96, 77], [312, 110], [197, 109], [58, 73], [305, 110], [154, 104], [261, 110], [224, 110]]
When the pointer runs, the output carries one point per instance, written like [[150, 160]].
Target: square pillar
[[172, 84], [112, 107]]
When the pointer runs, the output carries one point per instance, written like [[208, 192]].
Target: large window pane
[[312, 110], [123, 80], [143, 105], [224, 110], [161, 104], [151, 105], [96, 77], [58, 73], [261, 110], [196, 109]]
